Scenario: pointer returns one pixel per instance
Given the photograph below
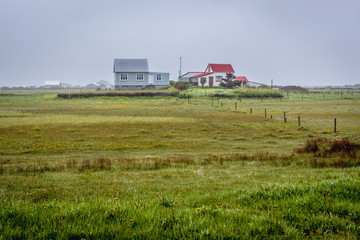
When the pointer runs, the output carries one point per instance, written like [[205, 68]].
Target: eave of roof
[[191, 74], [202, 74]]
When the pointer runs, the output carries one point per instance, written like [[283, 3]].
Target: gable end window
[[158, 77], [139, 77], [123, 77]]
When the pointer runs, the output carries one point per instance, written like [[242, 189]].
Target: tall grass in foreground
[[179, 198], [328, 209]]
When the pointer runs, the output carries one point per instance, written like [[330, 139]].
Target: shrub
[[184, 95], [324, 147], [263, 86], [163, 88], [181, 86], [258, 92]]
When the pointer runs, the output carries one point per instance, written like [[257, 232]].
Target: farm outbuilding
[[187, 77], [244, 81], [134, 74]]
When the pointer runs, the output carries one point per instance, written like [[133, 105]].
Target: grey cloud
[[292, 42]]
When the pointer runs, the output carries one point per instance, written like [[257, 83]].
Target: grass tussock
[[331, 153], [339, 153], [145, 164], [322, 147]]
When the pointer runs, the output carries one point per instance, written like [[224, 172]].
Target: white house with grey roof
[[134, 74]]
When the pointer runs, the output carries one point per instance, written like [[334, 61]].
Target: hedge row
[[246, 95], [116, 94]]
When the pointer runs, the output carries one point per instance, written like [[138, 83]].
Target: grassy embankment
[[164, 168]]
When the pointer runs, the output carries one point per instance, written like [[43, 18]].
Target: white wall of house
[[216, 82]]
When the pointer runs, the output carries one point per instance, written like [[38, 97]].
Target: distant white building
[[92, 85], [52, 84], [104, 84], [66, 85]]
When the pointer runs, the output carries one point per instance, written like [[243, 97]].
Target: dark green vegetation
[[166, 167], [117, 94]]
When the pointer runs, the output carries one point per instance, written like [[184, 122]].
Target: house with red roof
[[212, 75], [242, 80], [245, 82]]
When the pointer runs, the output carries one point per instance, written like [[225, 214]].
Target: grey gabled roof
[[131, 65]]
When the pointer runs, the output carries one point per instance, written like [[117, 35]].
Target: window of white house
[[158, 77], [218, 78], [123, 77], [139, 77]]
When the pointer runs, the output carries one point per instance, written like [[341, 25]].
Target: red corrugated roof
[[242, 78], [202, 74], [221, 67]]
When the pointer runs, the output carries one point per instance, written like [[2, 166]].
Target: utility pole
[[272, 83], [180, 68]]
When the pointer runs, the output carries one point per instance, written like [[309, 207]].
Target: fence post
[[235, 105], [265, 112], [240, 99], [285, 117], [271, 116], [335, 125], [298, 120], [250, 110], [212, 102], [188, 100]]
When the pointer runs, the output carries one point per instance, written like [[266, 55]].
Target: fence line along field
[[202, 163]]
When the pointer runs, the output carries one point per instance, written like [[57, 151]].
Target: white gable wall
[[214, 75]]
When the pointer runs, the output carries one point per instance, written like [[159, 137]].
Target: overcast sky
[[294, 42]]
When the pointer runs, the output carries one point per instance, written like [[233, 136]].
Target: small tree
[[203, 81], [228, 81]]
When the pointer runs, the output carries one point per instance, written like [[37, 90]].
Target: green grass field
[[166, 167]]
